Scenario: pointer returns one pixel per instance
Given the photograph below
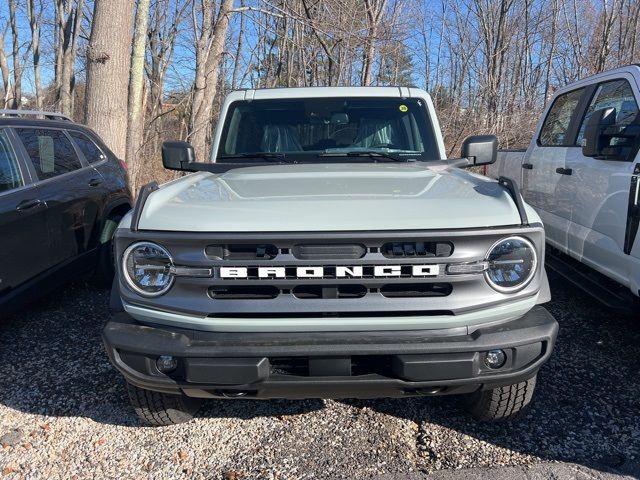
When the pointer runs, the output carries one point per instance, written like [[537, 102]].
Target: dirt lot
[[64, 412]]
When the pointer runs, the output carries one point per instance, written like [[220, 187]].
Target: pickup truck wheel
[[162, 409], [501, 403]]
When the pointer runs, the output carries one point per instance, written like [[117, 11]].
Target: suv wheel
[[162, 409], [501, 403]]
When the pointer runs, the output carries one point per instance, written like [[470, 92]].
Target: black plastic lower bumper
[[329, 364]]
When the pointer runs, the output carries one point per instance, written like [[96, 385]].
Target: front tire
[[501, 403], [162, 409]]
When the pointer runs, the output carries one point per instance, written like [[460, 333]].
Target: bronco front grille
[[327, 291]]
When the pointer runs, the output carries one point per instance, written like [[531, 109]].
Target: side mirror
[[480, 149], [177, 155], [594, 140]]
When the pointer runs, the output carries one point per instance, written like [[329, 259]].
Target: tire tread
[[161, 409], [502, 403]]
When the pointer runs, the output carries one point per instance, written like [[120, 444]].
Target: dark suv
[[62, 193]]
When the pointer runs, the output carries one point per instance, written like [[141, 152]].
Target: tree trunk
[[374, 10], [15, 57], [68, 19], [34, 24], [135, 122], [6, 75], [108, 62], [208, 57]]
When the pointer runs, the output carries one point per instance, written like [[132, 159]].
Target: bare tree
[[6, 74], [211, 36], [108, 60], [135, 121], [35, 19], [374, 10], [16, 99], [67, 27]]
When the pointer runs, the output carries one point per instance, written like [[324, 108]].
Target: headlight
[[511, 264], [147, 269]]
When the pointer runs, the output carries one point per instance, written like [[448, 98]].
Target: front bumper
[[329, 364]]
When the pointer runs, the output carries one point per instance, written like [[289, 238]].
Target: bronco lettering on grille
[[356, 271]]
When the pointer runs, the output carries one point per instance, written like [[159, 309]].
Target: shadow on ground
[[586, 408]]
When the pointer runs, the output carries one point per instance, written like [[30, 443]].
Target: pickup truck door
[[599, 228], [546, 184]]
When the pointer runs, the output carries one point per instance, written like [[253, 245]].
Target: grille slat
[[416, 290], [241, 251], [417, 249], [329, 251]]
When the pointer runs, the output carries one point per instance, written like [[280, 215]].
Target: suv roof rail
[[34, 113]]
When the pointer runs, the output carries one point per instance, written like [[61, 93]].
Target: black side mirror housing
[[595, 141], [178, 155], [480, 149]]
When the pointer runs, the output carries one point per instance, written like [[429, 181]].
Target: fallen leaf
[[9, 469], [233, 475]]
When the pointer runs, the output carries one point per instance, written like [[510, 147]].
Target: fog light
[[166, 363], [495, 358]]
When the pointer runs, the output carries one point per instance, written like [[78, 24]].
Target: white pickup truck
[[581, 174]]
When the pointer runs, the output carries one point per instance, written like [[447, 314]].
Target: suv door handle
[[527, 166], [94, 182], [564, 171], [28, 204]]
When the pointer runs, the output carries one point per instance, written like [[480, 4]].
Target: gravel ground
[[64, 413]]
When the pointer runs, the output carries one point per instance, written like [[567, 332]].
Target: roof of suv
[[39, 122], [324, 92], [34, 117]]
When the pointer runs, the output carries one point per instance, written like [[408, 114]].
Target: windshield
[[306, 129]]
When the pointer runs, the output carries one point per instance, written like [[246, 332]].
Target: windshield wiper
[[366, 153], [268, 156]]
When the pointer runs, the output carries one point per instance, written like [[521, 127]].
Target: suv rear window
[[50, 151], [89, 149]]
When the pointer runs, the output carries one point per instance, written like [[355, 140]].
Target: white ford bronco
[[329, 249], [581, 173]]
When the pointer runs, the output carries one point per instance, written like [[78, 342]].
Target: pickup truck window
[[554, 129], [50, 151], [10, 177], [617, 94], [304, 128]]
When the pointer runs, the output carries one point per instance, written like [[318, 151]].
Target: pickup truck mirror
[[177, 155], [480, 149], [595, 140]]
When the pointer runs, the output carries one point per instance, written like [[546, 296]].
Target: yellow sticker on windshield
[[403, 108]]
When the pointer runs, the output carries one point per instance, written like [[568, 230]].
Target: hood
[[329, 197]]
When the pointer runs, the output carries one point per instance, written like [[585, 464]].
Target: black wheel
[[162, 409], [501, 403], [105, 268]]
